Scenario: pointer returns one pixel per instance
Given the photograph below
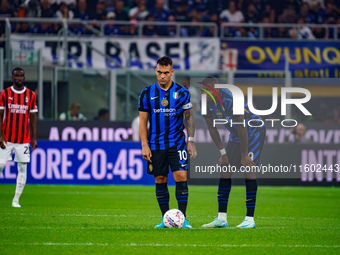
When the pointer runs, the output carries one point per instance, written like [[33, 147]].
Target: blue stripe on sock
[[224, 192], [159, 194], [251, 196], [181, 196], [163, 203], [225, 188], [251, 192], [182, 200]]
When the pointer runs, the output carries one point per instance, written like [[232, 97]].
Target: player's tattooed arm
[[189, 121], [190, 124]]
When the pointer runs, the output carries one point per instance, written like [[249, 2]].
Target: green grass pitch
[[120, 219]]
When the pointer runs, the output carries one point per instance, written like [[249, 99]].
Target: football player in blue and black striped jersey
[[163, 104], [243, 149]]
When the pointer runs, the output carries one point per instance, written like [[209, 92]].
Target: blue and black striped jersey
[[217, 112], [165, 110]]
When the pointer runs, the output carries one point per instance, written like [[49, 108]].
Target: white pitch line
[[133, 215], [151, 228], [85, 193], [180, 245], [73, 215]]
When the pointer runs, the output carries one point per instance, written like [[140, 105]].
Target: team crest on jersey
[[175, 95], [26, 99]]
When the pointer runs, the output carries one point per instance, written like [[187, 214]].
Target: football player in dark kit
[[243, 149], [163, 104]]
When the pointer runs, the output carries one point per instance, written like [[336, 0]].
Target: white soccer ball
[[174, 218]]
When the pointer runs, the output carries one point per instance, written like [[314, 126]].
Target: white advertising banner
[[200, 54]]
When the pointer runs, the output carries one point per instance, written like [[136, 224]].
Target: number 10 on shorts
[[183, 155]]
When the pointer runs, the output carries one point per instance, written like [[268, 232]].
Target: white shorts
[[22, 152]]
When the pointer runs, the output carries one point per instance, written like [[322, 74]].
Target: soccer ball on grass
[[174, 218]]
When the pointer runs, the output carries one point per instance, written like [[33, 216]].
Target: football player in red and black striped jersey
[[18, 108]]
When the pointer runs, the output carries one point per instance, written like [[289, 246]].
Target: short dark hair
[[210, 80], [164, 61], [17, 69], [102, 112]]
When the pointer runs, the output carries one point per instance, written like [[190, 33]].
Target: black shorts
[[255, 145], [176, 157]]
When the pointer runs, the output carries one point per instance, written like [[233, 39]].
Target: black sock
[[182, 196], [163, 197], [251, 189], [224, 188]]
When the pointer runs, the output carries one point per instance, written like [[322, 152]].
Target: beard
[[18, 84]]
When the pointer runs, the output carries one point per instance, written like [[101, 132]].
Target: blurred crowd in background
[[216, 11]]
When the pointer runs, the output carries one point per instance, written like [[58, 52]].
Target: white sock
[[21, 180], [222, 216], [250, 218]]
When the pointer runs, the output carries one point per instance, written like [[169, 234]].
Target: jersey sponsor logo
[[164, 110], [17, 108], [167, 112]]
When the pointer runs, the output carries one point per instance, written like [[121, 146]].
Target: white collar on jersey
[[18, 91]]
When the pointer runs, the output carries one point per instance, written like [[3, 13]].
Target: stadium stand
[[304, 12]]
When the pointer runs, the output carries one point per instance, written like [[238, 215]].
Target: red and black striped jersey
[[17, 106]]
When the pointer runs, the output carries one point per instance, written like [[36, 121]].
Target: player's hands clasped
[[224, 160], [246, 161], [146, 152], [192, 150]]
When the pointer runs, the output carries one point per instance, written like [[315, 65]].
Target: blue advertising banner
[[95, 163], [307, 59]]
